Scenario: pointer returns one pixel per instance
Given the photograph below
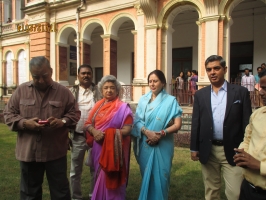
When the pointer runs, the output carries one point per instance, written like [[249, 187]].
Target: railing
[[12, 27], [127, 93], [185, 93], [253, 89]]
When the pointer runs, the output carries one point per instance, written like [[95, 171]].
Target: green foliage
[[186, 179]]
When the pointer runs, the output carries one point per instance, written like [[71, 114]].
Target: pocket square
[[237, 101]]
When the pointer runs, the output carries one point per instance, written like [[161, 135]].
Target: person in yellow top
[[251, 153]]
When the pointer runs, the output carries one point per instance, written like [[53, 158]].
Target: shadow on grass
[[185, 184]]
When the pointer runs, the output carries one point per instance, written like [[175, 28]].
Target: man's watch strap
[[64, 121]]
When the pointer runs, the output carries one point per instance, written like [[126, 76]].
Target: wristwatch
[[64, 121]]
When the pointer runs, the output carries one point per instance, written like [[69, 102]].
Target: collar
[[53, 85], [83, 90], [224, 87]]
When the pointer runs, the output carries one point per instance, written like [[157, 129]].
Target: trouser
[[211, 172], [79, 147], [32, 174], [250, 192]]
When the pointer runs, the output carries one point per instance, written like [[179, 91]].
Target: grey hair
[[112, 79], [39, 61]]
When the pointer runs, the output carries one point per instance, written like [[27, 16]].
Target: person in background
[[158, 117], [221, 113], [193, 84], [263, 66], [173, 82], [86, 94], [180, 87], [248, 81], [257, 78], [188, 88], [9, 20], [42, 144], [251, 153], [238, 78], [257, 87], [108, 133]]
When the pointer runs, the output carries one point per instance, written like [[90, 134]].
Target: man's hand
[[55, 123], [195, 156], [243, 159], [32, 124]]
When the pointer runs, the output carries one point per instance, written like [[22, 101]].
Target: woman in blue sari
[[158, 116]]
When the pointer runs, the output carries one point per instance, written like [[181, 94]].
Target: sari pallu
[[155, 161], [109, 159]]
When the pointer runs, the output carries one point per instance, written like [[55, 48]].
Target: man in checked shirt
[[86, 94]]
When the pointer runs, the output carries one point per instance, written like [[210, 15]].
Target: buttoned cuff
[[20, 124]]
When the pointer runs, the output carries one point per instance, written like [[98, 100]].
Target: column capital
[[210, 18], [139, 10], [134, 32], [151, 26], [113, 37], [89, 42]]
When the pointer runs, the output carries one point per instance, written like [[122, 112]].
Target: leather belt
[[218, 142], [79, 133], [256, 188]]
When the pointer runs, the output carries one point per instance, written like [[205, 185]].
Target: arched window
[[9, 69], [22, 67], [19, 13], [7, 10]]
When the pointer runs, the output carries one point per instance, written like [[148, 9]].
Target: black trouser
[[247, 192], [32, 174]]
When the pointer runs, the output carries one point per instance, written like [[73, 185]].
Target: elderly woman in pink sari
[[108, 132]]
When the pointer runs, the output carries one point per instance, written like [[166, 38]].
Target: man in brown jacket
[[41, 111]]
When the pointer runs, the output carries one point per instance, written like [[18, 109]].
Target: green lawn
[[186, 180]]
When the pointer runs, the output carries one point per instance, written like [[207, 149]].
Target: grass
[[186, 179]]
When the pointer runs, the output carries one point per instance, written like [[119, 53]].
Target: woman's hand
[[97, 134], [152, 137]]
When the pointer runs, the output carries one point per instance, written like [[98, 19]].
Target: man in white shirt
[[86, 94], [248, 81]]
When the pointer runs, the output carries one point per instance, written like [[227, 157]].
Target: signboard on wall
[[244, 66]]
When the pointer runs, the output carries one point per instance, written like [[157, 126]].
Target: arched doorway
[[247, 34]]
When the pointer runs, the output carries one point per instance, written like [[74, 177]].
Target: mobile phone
[[46, 122]]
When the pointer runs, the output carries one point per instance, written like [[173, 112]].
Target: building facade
[[129, 38]]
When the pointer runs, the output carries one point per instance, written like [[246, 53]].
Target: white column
[[151, 48], [27, 52], [140, 49], [167, 45], [53, 54], [211, 37], [226, 39]]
